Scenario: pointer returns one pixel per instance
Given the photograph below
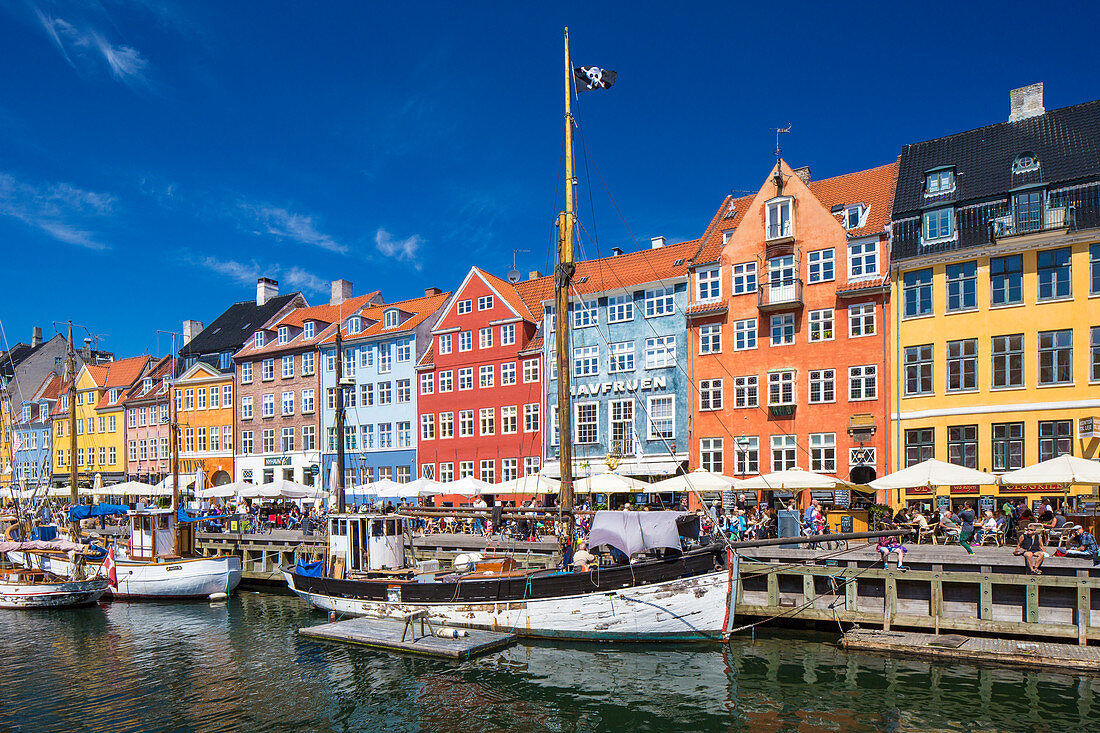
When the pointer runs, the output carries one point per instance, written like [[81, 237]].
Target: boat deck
[[387, 635], [957, 648]]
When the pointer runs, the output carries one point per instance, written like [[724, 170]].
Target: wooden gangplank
[[390, 636], [972, 649]]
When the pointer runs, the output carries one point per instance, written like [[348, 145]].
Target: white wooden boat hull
[[51, 595], [685, 609]]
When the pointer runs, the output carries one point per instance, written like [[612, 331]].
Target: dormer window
[[26, 413], [939, 181], [258, 339], [939, 224], [146, 384], [1025, 163], [307, 329], [43, 412], [731, 211], [389, 318], [112, 396], [284, 335], [354, 324], [853, 216], [726, 235], [778, 218], [164, 383], [64, 402]]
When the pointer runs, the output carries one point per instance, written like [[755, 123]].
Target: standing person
[[479, 523], [1030, 545], [967, 517], [810, 518]]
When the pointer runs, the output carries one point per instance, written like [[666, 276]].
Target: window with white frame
[[465, 423], [531, 465], [489, 471], [861, 319], [784, 453], [587, 421], [385, 437], [288, 367], [710, 394], [782, 330], [586, 361], [820, 263], [258, 339], [509, 419], [268, 403], [620, 357], [620, 308], [853, 216], [777, 218], [708, 284], [747, 455], [862, 259], [487, 420], [446, 380], [662, 417], [427, 383], [330, 362], [284, 335], [710, 339], [507, 334], [246, 407], [823, 452], [354, 324], [465, 379], [308, 401], [385, 358], [509, 469], [822, 385], [385, 393], [308, 330], [485, 302], [939, 224], [465, 340], [744, 334], [268, 372], [710, 454], [781, 387], [485, 376], [444, 343], [621, 423], [531, 414], [821, 325], [530, 371], [745, 391], [427, 426], [366, 394], [288, 403], [507, 373], [390, 318], [744, 278], [660, 352], [863, 382], [404, 350], [446, 425], [404, 391], [446, 472], [485, 338], [659, 302], [940, 181], [584, 313]]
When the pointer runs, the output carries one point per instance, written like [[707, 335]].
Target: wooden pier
[[392, 636], [955, 648]]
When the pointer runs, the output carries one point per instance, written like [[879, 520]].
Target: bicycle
[[833, 544]]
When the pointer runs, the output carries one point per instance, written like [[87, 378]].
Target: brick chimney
[[191, 329], [266, 289], [657, 242], [87, 350], [1025, 102], [534, 275], [341, 291], [431, 291], [36, 336], [803, 173]]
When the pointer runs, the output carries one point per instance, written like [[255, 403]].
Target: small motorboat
[[33, 588]]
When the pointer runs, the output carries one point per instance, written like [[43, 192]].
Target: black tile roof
[[232, 328]]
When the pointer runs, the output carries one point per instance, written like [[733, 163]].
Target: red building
[[789, 328], [480, 385]]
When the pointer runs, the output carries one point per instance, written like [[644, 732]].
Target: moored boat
[[31, 588]]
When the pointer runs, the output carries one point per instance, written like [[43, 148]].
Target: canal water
[[240, 666]]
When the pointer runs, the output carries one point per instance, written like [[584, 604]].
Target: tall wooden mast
[[74, 495], [174, 459], [563, 277], [339, 488]]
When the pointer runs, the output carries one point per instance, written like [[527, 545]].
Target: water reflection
[[242, 666]]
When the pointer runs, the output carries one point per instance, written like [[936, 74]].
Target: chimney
[[341, 291], [656, 242], [266, 289], [534, 275], [431, 291], [191, 329], [87, 351], [616, 251], [1025, 102], [803, 173], [36, 336]]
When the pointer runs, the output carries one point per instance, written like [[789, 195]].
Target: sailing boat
[[687, 596]]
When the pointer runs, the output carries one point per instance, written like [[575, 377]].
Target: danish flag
[[109, 566]]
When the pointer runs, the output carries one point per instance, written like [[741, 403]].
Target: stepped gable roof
[[874, 188], [1066, 141], [418, 310], [230, 330]]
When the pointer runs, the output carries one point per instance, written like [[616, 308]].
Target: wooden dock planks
[[956, 648], [382, 634]]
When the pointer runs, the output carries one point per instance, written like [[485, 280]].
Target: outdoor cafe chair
[[927, 533]]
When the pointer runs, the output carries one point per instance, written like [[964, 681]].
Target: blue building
[[629, 381], [382, 344], [31, 435]]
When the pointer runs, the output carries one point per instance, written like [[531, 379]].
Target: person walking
[[966, 527]]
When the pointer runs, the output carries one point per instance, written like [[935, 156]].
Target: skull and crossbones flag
[[593, 77]]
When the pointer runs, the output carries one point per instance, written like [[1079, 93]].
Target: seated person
[[1030, 545], [902, 517], [1083, 544], [582, 558], [888, 545], [989, 524]]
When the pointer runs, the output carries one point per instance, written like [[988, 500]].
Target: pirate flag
[[588, 78]]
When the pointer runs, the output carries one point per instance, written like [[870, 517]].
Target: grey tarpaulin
[[634, 532]]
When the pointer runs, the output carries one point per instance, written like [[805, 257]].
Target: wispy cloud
[[58, 209], [82, 46], [245, 273], [284, 224], [399, 249]]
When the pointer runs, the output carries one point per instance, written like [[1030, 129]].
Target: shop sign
[[919, 490], [277, 461], [618, 387], [1032, 489], [1086, 427], [314, 470], [971, 489], [987, 502], [842, 498]]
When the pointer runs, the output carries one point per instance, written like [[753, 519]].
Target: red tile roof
[[417, 309], [873, 283], [157, 372], [428, 360], [508, 291], [120, 375], [718, 305]]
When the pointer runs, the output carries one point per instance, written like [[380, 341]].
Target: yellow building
[[996, 292], [203, 398], [100, 424]]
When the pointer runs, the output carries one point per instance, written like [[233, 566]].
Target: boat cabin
[[367, 541], [153, 532]]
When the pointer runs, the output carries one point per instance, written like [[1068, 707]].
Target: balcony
[[780, 295], [1031, 220]]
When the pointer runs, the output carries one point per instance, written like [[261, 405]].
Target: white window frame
[[821, 322], [858, 314], [710, 339], [710, 394], [824, 256], [819, 378], [585, 313], [776, 224], [594, 423], [708, 284], [660, 302], [863, 256], [740, 276], [651, 411], [620, 308], [787, 323], [586, 361], [782, 381], [741, 391], [859, 375], [663, 347], [620, 357], [485, 302]]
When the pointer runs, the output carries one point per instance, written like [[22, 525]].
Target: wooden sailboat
[[680, 596]]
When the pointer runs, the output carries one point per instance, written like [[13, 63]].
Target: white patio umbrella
[[126, 488], [63, 491], [933, 473], [200, 479], [224, 491], [1061, 470], [274, 490], [468, 486], [530, 484], [421, 487], [698, 480], [609, 482], [381, 487], [791, 480]]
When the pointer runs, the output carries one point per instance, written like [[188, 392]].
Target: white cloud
[[400, 249], [290, 278], [284, 224], [87, 45], [58, 209]]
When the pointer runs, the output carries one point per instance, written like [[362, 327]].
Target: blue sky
[[157, 156]]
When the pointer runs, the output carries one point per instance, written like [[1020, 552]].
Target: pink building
[[146, 404]]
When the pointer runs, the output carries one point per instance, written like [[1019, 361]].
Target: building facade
[[996, 271], [31, 436], [147, 432], [789, 327], [480, 386], [382, 343]]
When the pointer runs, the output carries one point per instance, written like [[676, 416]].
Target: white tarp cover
[[634, 532], [1061, 470]]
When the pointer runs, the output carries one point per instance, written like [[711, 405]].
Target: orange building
[[203, 404], [788, 328]]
